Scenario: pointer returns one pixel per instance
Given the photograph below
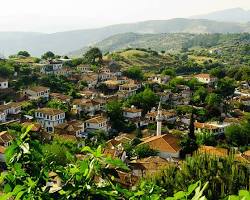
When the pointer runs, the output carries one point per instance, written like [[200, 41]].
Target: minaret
[[159, 120]]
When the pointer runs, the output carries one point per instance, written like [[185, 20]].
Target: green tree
[[93, 56], [58, 105], [169, 72], [115, 113], [48, 55], [134, 73], [226, 87], [144, 150], [23, 53]]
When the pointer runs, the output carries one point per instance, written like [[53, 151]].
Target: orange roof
[[247, 153], [204, 125], [166, 143], [97, 119], [132, 110], [216, 151], [39, 88], [207, 76], [50, 111], [2, 149], [151, 163]]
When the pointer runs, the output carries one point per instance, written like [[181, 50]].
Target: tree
[[138, 133], [58, 105], [199, 95], [48, 55], [169, 72], [23, 53], [226, 87], [93, 56], [134, 73], [237, 134], [144, 150], [144, 100], [115, 113], [213, 100]]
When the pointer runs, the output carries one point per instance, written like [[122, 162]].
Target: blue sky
[[59, 15]]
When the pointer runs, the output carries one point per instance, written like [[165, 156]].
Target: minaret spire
[[159, 119]]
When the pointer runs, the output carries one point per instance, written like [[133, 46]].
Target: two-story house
[[49, 118], [97, 123], [132, 112], [206, 78], [89, 106], [37, 92]]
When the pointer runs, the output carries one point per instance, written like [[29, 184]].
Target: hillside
[[228, 15], [168, 42], [64, 42]]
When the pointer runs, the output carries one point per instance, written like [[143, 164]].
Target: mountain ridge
[[64, 42]]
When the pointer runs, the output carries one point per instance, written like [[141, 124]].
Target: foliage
[[226, 87], [58, 105], [144, 100], [144, 150], [134, 73], [115, 113], [238, 134], [93, 56], [23, 53], [48, 55], [225, 176]]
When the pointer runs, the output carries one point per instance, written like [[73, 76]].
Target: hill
[[228, 15], [167, 42], [170, 42], [64, 42]]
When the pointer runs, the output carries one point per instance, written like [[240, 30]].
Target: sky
[[61, 15]]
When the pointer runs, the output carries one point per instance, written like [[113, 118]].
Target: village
[[146, 136]]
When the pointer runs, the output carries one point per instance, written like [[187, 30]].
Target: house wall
[[131, 115], [167, 155], [4, 85]]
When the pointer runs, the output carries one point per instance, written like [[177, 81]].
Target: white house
[[11, 108], [160, 79], [4, 83], [37, 92], [5, 141], [50, 67], [132, 112], [2, 117], [211, 127], [49, 118], [206, 78], [97, 123], [88, 106]]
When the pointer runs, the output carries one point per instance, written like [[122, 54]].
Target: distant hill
[[64, 42], [229, 15], [168, 42]]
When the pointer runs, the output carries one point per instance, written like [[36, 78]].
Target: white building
[[88, 106], [11, 108], [132, 112], [97, 123], [37, 92], [49, 118], [4, 83], [2, 117], [50, 67], [211, 127], [206, 78]]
